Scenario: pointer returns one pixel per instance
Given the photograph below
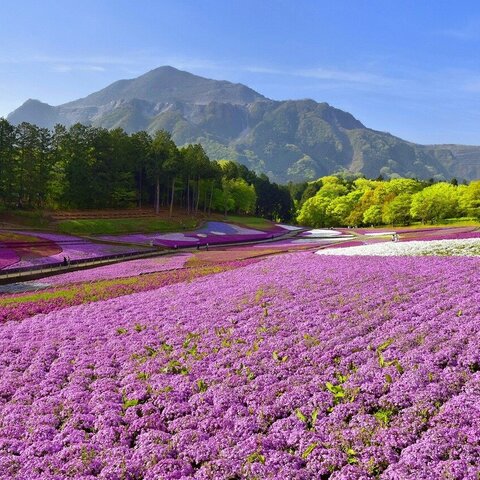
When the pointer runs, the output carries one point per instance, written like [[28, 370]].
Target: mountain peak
[[34, 111], [167, 84]]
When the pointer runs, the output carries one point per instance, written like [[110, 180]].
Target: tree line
[[85, 167], [339, 201]]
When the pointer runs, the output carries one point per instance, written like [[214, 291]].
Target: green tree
[[470, 199], [79, 159], [141, 151], [164, 159], [214, 176], [33, 162], [173, 164], [397, 212], [314, 212], [229, 169], [58, 179], [310, 191], [243, 195], [435, 202], [340, 208], [222, 197], [398, 186], [7, 150], [373, 215], [202, 169]]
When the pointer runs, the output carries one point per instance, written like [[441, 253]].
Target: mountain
[[289, 140]]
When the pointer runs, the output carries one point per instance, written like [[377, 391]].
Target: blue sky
[[411, 68]]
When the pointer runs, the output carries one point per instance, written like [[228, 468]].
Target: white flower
[[460, 247]]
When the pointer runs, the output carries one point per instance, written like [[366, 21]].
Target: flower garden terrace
[[296, 366], [29, 249]]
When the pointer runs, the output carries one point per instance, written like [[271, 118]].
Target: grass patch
[[121, 225], [461, 222], [446, 222], [112, 226], [25, 218]]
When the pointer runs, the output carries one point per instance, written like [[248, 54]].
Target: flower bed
[[8, 256], [227, 229], [23, 305], [296, 367], [60, 246], [121, 270], [229, 254], [443, 234], [16, 246], [211, 233], [419, 232], [465, 247], [353, 243], [309, 238], [301, 242]]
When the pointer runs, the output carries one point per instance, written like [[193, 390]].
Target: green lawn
[[124, 225], [111, 226], [134, 225], [24, 218], [462, 222], [446, 222]]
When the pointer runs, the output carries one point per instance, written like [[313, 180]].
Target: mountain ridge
[[290, 140]]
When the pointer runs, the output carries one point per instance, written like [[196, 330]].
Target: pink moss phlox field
[[7, 256], [439, 230], [121, 270], [296, 367], [212, 233], [426, 234], [353, 243], [15, 246], [75, 248], [298, 242], [457, 234], [18, 306]]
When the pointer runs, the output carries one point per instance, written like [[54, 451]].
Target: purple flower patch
[[298, 366]]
